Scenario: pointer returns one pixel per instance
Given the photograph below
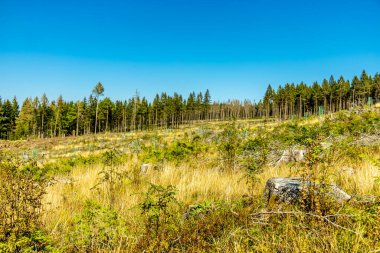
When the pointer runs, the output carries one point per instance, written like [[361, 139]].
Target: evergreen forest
[[42, 117]]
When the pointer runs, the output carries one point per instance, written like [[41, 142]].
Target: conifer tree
[[97, 91], [24, 122]]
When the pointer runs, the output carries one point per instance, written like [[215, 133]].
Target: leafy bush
[[316, 196], [198, 210], [110, 176], [254, 154], [36, 241], [65, 165], [208, 226], [21, 193], [177, 152], [180, 151], [160, 211], [96, 228], [157, 207], [228, 144], [136, 146]]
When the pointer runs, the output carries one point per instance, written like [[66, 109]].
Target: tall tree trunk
[[42, 124], [55, 125], [330, 104], [300, 108], [96, 114], [107, 121]]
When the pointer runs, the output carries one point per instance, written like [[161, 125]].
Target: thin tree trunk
[[42, 125], [96, 114], [107, 121]]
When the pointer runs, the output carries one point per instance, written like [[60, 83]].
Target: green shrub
[[65, 165], [21, 193], [96, 228], [181, 151], [136, 146], [177, 152], [36, 241], [209, 226], [157, 207], [110, 176], [198, 210], [254, 155], [228, 144], [162, 220]]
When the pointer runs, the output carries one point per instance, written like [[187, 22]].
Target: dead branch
[[325, 218]]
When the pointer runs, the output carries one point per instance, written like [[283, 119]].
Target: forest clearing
[[189, 126], [195, 188]]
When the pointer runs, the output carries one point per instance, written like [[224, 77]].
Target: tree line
[[39, 117], [331, 95]]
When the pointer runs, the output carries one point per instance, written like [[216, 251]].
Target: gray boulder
[[288, 190]]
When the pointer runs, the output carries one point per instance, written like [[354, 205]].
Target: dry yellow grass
[[196, 181], [65, 198]]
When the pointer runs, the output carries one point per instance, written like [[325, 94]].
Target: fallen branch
[[326, 217]]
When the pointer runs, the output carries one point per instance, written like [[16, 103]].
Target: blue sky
[[234, 48]]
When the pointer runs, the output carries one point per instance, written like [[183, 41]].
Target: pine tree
[[58, 116], [325, 93], [9, 122], [268, 100], [2, 121], [42, 112], [97, 91], [376, 87], [206, 104], [190, 107], [365, 88], [316, 95], [79, 117], [356, 90], [24, 122], [333, 88]]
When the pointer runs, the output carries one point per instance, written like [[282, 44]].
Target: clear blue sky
[[234, 48]]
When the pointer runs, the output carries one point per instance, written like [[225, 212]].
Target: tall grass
[[212, 207]]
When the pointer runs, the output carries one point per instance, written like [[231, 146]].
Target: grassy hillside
[[202, 190]]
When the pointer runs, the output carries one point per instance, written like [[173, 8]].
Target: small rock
[[25, 157], [326, 144], [144, 168], [292, 155], [299, 154], [347, 170]]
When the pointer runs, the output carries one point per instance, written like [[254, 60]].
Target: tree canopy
[[39, 117]]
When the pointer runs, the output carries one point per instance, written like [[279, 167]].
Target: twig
[[326, 218]]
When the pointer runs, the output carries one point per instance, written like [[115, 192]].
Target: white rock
[[144, 168], [292, 155]]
